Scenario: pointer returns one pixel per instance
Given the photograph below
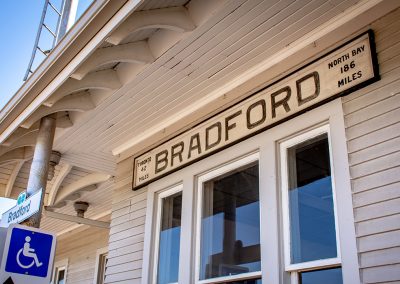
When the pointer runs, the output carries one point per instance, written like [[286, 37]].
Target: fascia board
[[78, 38]]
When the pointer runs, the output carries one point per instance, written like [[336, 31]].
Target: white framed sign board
[[22, 211], [28, 256]]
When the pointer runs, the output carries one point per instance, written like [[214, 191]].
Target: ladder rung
[[41, 50], [54, 8], [50, 31]]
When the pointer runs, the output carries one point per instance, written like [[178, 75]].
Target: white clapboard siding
[[127, 229], [80, 249], [372, 120], [372, 129]]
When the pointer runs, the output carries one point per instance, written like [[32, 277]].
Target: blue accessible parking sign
[[29, 252], [28, 255]]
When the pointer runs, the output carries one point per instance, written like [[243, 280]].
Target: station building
[[218, 141]]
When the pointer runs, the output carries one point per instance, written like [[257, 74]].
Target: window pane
[[326, 276], [230, 228], [312, 220], [170, 234]]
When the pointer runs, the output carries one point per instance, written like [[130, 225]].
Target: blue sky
[[19, 21]]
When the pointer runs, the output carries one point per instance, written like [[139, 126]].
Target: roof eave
[[91, 22]]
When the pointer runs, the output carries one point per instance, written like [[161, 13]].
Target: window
[[229, 224], [60, 276], [308, 204], [60, 272], [101, 264], [275, 208], [168, 236]]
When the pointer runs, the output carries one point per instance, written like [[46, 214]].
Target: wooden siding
[[372, 118], [80, 249], [5, 172], [226, 43], [373, 133], [127, 229]]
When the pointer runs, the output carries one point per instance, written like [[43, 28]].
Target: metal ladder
[[61, 27]]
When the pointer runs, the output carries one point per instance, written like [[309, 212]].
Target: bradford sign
[[343, 70], [22, 211]]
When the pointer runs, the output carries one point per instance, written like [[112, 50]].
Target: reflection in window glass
[[170, 234], [326, 276], [230, 226], [312, 220]]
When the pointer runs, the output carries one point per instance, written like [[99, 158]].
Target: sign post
[[28, 256]]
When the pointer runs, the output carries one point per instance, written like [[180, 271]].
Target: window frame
[[99, 253], [255, 157], [266, 144], [158, 211], [58, 266], [284, 185]]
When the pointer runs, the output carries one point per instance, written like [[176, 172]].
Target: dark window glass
[[230, 227], [325, 276], [61, 276], [312, 220], [170, 235]]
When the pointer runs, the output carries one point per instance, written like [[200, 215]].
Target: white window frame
[[60, 265], [267, 145], [99, 253], [200, 181], [284, 146], [160, 196]]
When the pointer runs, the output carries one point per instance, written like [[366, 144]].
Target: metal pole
[[40, 164], [68, 14]]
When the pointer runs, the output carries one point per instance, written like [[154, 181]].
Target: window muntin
[[229, 224], [169, 232]]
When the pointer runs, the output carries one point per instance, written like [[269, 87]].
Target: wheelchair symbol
[[28, 252]]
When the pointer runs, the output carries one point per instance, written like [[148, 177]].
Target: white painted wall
[[372, 119], [372, 130], [80, 249]]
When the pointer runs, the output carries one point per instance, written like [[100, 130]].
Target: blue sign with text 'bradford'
[[29, 252]]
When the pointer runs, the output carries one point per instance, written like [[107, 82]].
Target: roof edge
[[89, 24]]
